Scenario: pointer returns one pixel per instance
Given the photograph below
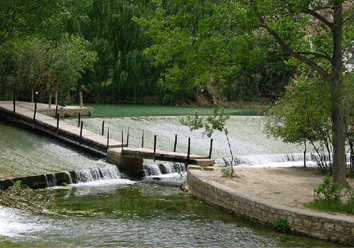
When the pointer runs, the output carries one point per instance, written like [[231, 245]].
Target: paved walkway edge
[[309, 223]]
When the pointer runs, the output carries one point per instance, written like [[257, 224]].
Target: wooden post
[[107, 138], [211, 148], [50, 101], [189, 150], [142, 140], [82, 125], [102, 128], [175, 146], [155, 148], [56, 97], [81, 100], [78, 121]]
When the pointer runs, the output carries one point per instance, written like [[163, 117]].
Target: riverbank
[[266, 195]]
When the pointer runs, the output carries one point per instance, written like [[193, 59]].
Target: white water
[[250, 146]]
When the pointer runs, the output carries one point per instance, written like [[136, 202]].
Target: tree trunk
[[339, 159]]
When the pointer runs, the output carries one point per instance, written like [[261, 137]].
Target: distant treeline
[[97, 47]]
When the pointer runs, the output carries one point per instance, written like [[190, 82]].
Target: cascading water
[[95, 174], [164, 169], [250, 145]]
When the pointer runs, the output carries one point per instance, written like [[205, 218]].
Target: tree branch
[[317, 55], [319, 17], [287, 49]]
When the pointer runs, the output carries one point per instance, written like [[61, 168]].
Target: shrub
[[282, 225], [349, 206], [226, 172], [329, 191]]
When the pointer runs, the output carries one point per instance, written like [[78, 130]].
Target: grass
[[7, 244]]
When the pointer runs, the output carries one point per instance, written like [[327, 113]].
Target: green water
[[106, 110], [146, 215]]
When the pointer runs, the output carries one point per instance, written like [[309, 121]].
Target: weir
[[129, 160]]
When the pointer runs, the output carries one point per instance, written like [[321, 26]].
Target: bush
[[328, 197], [330, 190], [282, 226], [226, 172]]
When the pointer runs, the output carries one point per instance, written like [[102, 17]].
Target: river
[[114, 211]]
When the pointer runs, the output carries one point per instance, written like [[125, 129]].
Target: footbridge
[[130, 160]]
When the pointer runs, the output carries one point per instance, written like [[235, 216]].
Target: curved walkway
[[307, 222]]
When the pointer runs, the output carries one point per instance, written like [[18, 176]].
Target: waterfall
[[104, 173], [69, 176], [164, 169], [264, 160], [50, 180]]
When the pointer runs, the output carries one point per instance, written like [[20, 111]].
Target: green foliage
[[303, 115], [282, 225], [45, 66], [227, 172], [328, 197], [205, 41], [216, 122], [22, 18], [331, 199], [329, 191], [210, 124], [349, 206], [122, 73]]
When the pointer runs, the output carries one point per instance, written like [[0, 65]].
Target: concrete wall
[[67, 111], [319, 225]]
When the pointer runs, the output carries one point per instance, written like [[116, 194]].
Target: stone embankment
[[306, 222]]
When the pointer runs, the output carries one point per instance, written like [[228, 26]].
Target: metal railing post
[[35, 107], [82, 125], [107, 138], [175, 145], [155, 138], [122, 140], [14, 101], [56, 111], [142, 140], [57, 124], [211, 148], [102, 128], [189, 150], [128, 137], [78, 120]]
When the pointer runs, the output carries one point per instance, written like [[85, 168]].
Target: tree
[[228, 34], [20, 18], [303, 115], [123, 72], [38, 64]]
